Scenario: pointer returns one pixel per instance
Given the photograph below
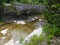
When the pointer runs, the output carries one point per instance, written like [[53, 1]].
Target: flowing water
[[16, 31]]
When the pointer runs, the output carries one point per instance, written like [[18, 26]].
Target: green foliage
[[21, 1], [2, 2], [35, 40], [51, 30], [53, 18], [21, 39], [29, 1], [52, 14], [25, 1], [35, 1]]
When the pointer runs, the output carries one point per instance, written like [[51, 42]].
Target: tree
[[2, 2], [52, 14]]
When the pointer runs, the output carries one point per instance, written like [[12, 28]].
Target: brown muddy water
[[15, 31]]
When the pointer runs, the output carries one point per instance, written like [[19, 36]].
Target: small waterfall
[[37, 31], [19, 22], [9, 42]]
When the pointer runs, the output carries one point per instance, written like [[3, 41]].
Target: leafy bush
[[35, 40], [2, 2], [51, 30], [21, 39], [52, 14]]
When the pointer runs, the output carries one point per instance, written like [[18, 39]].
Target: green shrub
[[51, 30], [52, 14], [35, 40], [21, 39]]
